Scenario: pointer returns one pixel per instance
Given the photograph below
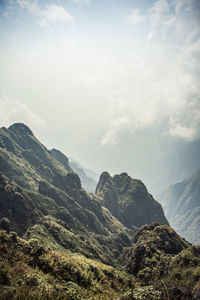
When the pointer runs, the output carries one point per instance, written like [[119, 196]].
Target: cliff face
[[129, 200]]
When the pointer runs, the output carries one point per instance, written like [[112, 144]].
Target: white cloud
[[126, 83], [13, 111], [165, 87], [30, 5], [184, 132], [53, 14], [176, 21], [159, 16], [120, 125], [48, 15], [136, 17]]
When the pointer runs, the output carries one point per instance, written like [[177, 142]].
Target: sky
[[113, 84]]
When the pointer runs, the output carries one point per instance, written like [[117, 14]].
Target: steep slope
[[24, 159], [21, 152], [181, 203], [129, 200], [44, 199]]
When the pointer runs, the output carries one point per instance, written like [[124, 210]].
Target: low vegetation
[[30, 271]]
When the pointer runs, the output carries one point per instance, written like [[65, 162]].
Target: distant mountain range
[[181, 203]]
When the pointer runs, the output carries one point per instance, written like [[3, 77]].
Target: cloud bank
[[14, 111], [165, 85], [47, 15]]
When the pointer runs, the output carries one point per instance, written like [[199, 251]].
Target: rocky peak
[[104, 180], [107, 190], [20, 128], [129, 200]]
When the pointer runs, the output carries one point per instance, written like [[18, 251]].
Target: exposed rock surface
[[129, 200]]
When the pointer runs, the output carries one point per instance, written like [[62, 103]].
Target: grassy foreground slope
[[160, 265], [30, 271]]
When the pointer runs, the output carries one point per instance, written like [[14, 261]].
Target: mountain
[[181, 203], [59, 242], [43, 197], [128, 200]]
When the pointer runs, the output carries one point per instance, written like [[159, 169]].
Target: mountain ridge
[[182, 207]]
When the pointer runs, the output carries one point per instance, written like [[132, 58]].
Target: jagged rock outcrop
[[61, 158], [129, 200]]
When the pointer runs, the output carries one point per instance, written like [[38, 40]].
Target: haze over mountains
[[181, 203]]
